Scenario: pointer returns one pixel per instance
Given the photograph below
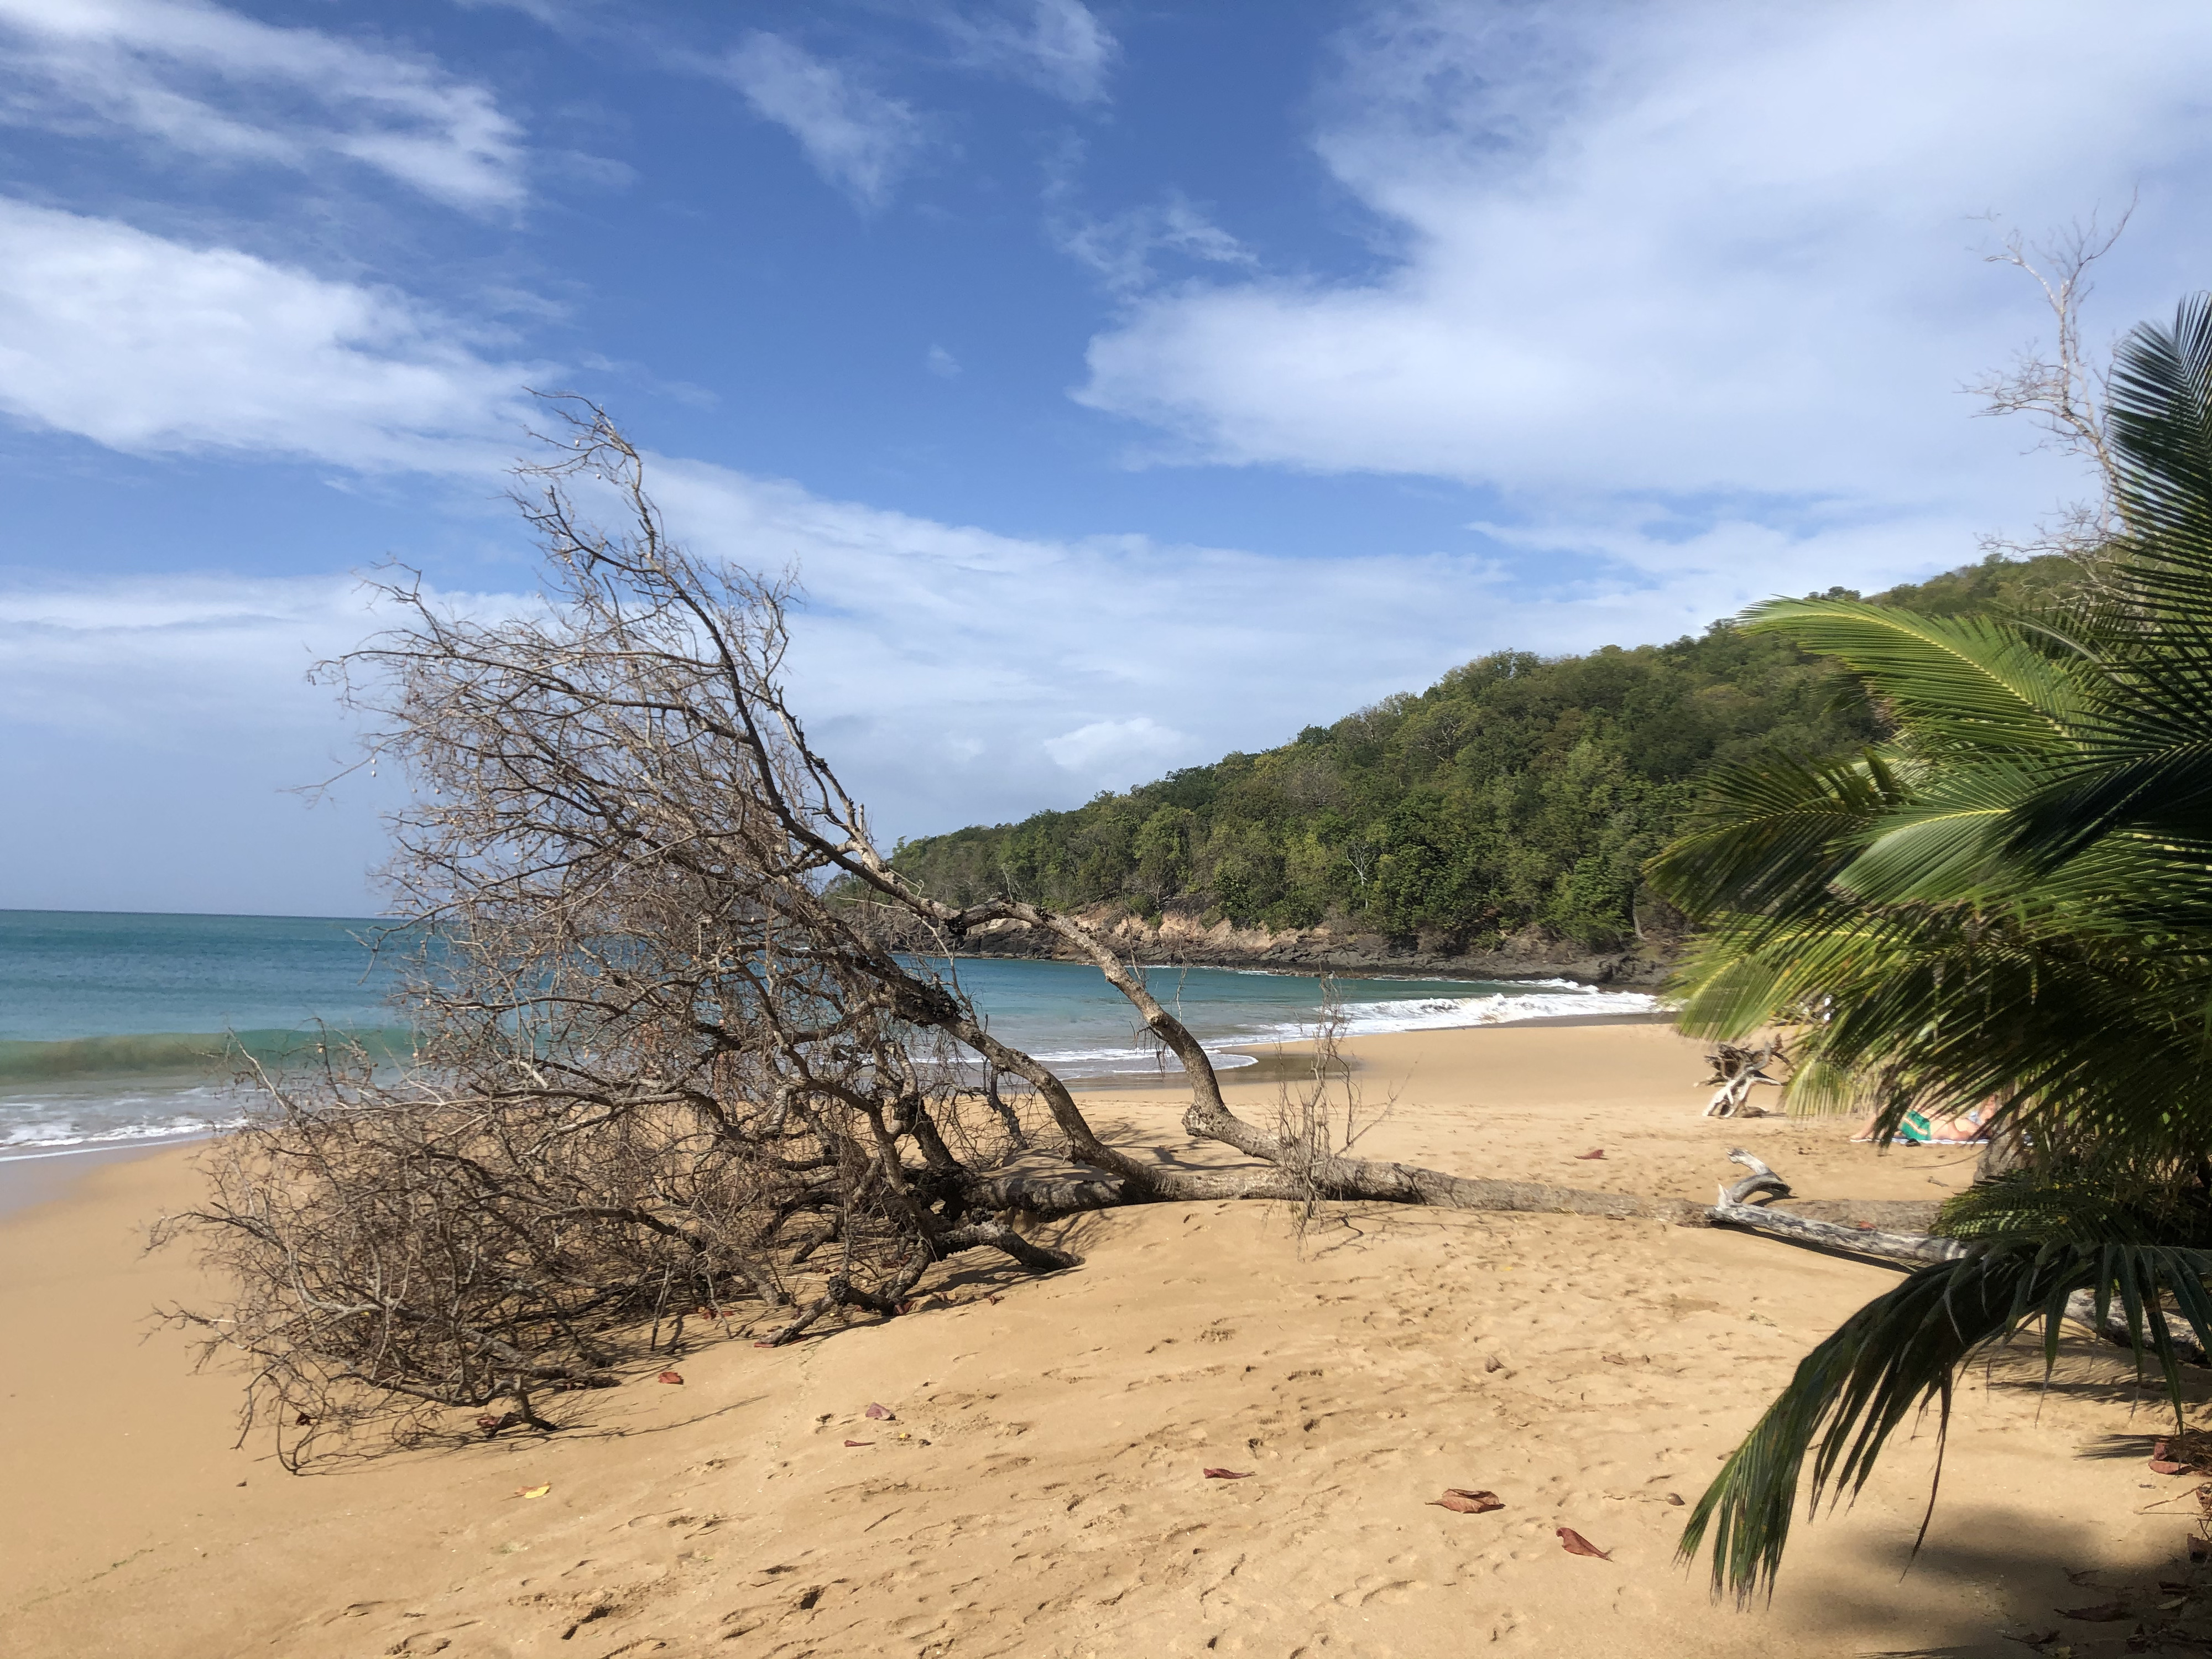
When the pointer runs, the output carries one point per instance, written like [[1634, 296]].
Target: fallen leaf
[[2158, 1468], [1460, 1501], [883, 1413], [1595, 1152], [1676, 1499], [1230, 1475], [302, 1420], [2104, 1612], [533, 1492], [491, 1425], [671, 1376], [860, 1442], [1575, 1544]]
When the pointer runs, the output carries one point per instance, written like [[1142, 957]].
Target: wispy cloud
[[199, 80], [1059, 46], [144, 344], [953, 674], [1124, 248], [1692, 262], [857, 138]]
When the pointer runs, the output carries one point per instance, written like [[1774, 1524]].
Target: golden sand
[[1040, 1491]]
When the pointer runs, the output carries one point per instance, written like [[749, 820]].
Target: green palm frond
[[1980, 681], [1900, 1354], [2161, 425], [2083, 1201], [1772, 836], [2009, 899], [1949, 842]]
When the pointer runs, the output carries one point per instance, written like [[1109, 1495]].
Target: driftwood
[[1739, 1069], [1733, 1208]]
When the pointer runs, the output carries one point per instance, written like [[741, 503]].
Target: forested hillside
[[1518, 792]]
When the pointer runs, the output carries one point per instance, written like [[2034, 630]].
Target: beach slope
[[1039, 1488]]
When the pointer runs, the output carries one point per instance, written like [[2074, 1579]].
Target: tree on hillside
[[2005, 902], [1516, 796]]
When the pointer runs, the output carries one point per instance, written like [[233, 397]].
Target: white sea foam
[[1560, 999], [50, 1140]]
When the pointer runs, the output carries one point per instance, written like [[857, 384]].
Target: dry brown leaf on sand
[[532, 1492], [2104, 1614], [1230, 1475], [2159, 1466], [1595, 1152], [883, 1413], [1461, 1501], [1575, 1544], [671, 1376], [860, 1442]]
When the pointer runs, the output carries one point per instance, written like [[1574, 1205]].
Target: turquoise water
[[111, 1025]]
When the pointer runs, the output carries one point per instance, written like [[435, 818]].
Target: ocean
[[111, 1025]]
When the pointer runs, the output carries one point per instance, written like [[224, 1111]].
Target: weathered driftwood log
[[1915, 1248], [1761, 1179], [1734, 1209]]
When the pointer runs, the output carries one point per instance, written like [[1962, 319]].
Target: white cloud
[[1057, 45], [147, 344], [958, 675], [200, 80], [1123, 248], [942, 363], [1139, 743], [953, 675], [857, 138], [1635, 261], [163, 724], [136, 658]]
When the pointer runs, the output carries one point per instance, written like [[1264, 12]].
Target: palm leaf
[[1976, 680], [1900, 1353]]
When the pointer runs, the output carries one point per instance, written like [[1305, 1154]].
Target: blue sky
[[1128, 383]]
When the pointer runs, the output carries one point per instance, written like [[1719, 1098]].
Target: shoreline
[[31, 1152], [1041, 1492]]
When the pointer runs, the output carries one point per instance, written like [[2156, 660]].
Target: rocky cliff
[[1177, 935]]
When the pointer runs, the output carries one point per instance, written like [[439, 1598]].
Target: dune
[[1039, 1486]]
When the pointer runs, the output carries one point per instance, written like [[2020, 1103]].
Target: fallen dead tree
[[679, 1060]]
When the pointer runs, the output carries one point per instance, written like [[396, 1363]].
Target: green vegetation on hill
[[1518, 791]]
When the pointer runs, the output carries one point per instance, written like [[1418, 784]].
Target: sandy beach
[[1041, 1493]]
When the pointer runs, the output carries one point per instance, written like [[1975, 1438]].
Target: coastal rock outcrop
[[1185, 935]]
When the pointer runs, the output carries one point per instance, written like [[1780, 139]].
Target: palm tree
[[2008, 900]]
